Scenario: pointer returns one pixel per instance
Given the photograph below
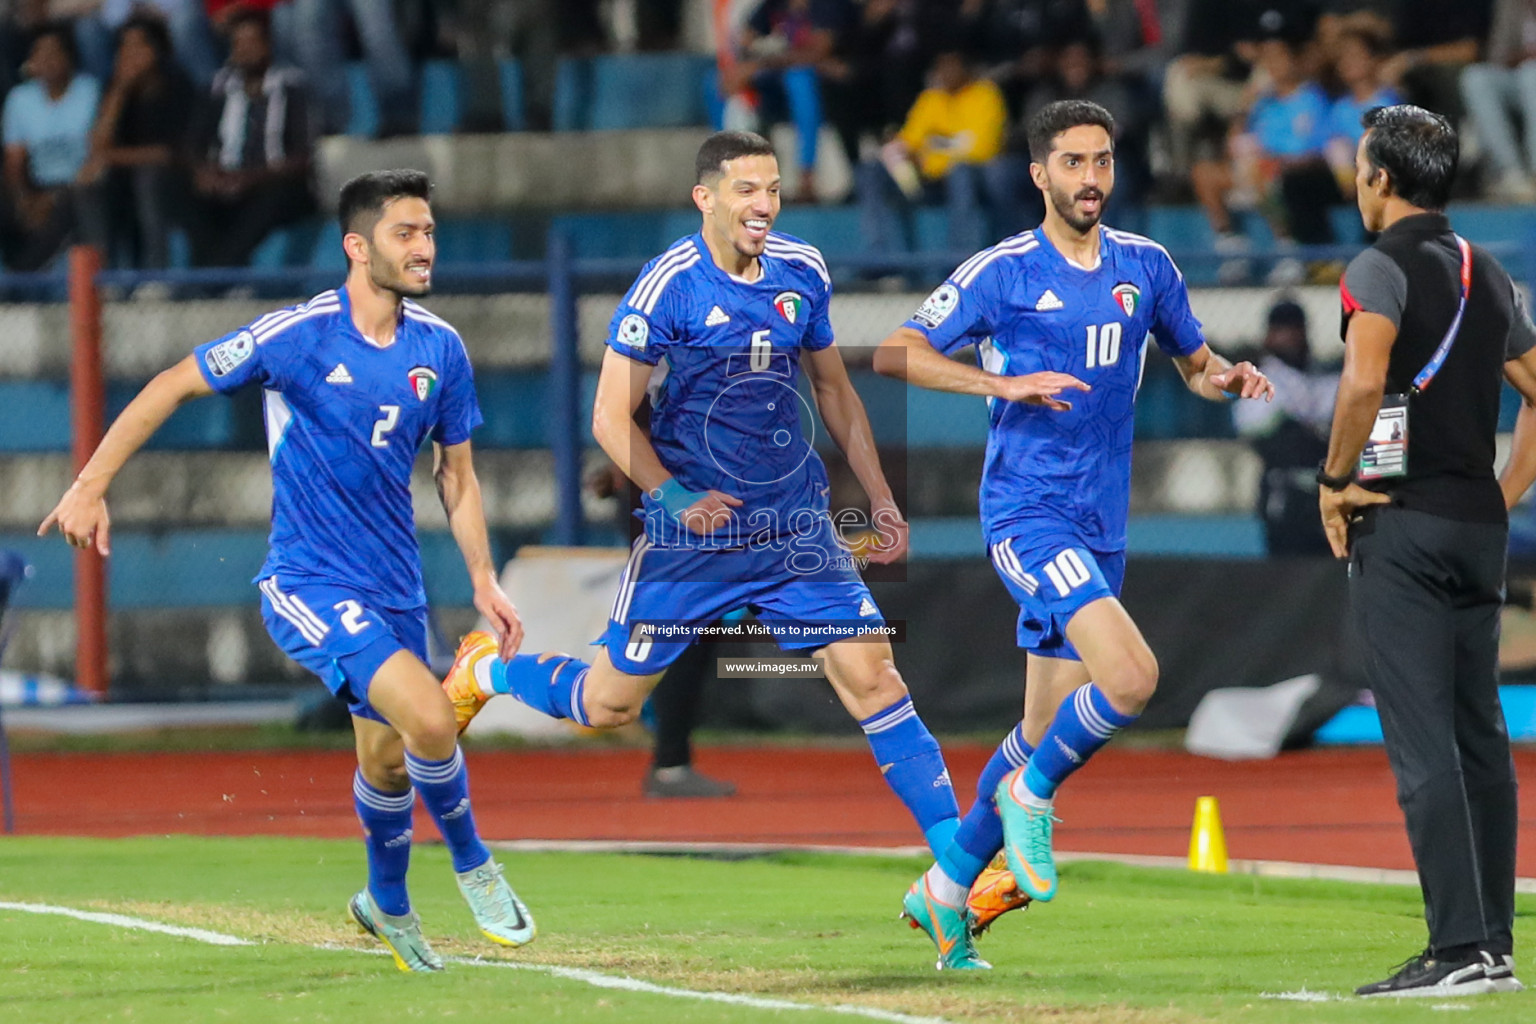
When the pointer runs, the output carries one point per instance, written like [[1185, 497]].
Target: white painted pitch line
[[593, 978], [120, 921]]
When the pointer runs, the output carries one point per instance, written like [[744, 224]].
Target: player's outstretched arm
[[458, 488], [81, 515], [908, 355], [621, 388], [848, 422], [1215, 379]]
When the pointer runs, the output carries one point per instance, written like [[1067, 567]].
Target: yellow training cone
[[1207, 844]]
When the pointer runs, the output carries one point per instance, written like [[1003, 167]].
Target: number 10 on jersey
[[1103, 344]]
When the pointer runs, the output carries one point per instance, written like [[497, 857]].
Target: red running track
[[1332, 807]]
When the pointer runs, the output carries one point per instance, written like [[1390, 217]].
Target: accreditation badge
[[1386, 453]]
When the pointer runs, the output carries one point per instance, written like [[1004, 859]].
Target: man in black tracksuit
[[1408, 494]]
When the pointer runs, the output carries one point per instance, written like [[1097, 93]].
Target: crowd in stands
[[125, 120]]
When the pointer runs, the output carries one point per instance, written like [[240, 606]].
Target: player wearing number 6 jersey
[[355, 381], [1060, 316], [719, 329]]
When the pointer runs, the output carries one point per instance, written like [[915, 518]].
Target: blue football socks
[[980, 835], [551, 683], [1084, 723], [444, 789], [913, 766], [386, 819]]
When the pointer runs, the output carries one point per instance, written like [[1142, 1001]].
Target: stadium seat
[[573, 94], [832, 229], [473, 240], [510, 74], [648, 90], [442, 97], [363, 122]]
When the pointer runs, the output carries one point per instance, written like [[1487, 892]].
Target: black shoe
[[1427, 975], [683, 781], [1502, 974]]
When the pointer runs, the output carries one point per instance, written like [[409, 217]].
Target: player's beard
[[1066, 207], [396, 279]]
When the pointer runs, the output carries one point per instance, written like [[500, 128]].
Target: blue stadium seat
[[327, 254], [832, 229], [442, 97], [473, 240], [648, 90], [573, 94], [1486, 223], [363, 122], [510, 73]]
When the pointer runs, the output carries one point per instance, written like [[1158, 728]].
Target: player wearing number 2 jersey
[[1061, 317], [355, 381]]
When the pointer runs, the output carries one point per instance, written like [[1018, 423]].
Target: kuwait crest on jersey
[[1128, 295], [788, 304], [423, 382]]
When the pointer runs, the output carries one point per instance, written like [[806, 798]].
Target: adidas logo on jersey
[[867, 608], [339, 375], [1048, 301], [717, 316]]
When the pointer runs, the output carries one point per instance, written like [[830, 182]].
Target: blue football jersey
[[727, 413], [345, 419], [1027, 308]]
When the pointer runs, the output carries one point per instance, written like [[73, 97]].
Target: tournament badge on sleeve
[[1386, 452]]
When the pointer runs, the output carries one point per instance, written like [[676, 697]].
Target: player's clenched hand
[[891, 535], [1244, 380], [81, 516], [709, 513], [1039, 389], [492, 602]]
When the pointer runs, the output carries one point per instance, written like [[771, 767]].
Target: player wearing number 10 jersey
[[1061, 317]]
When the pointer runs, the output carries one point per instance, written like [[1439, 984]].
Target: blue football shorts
[[1052, 576], [806, 592], [340, 636]]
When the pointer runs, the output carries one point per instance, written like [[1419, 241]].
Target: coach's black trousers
[[1425, 595]]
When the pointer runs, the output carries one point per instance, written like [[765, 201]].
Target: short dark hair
[[1417, 148], [248, 16], [64, 33], [725, 146], [1063, 115], [155, 32], [364, 197]]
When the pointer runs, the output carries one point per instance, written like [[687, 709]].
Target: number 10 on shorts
[[1067, 572]]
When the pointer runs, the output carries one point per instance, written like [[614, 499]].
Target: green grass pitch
[[1119, 944]]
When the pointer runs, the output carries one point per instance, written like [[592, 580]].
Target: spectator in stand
[[1080, 73], [1437, 40], [312, 30], [1358, 58], [1290, 434], [1278, 157], [1135, 38], [130, 179], [191, 35], [252, 150], [19, 19], [950, 151], [784, 47], [46, 130], [876, 70], [1204, 89], [1501, 88], [1021, 37]]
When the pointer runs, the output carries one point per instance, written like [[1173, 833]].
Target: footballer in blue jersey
[[1060, 318], [719, 329], [354, 382]]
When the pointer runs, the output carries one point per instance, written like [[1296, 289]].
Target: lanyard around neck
[[1421, 382]]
